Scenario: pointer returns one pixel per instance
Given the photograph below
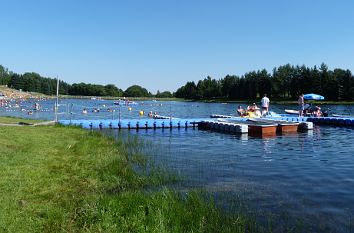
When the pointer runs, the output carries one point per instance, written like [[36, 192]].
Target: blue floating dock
[[194, 122], [335, 121], [134, 123]]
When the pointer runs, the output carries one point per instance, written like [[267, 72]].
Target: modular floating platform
[[334, 121], [241, 125], [133, 123], [221, 123]]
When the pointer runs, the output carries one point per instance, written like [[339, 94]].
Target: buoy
[[141, 113], [129, 108]]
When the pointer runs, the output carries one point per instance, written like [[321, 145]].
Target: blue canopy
[[313, 97]]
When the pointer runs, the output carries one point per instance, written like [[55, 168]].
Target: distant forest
[[285, 82], [33, 82]]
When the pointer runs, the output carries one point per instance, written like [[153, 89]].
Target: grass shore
[[15, 120], [66, 179]]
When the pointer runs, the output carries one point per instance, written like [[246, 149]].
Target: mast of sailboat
[[57, 102]]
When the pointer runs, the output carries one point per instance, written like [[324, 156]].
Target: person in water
[[155, 114], [252, 108], [36, 106], [241, 111], [317, 112]]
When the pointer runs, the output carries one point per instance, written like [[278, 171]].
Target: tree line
[[285, 82], [33, 82]]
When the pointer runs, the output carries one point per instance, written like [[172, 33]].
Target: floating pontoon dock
[[267, 127], [222, 123], [133, 123], [337, 121], [232, 125]]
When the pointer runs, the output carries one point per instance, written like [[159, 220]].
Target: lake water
[[303, 179]]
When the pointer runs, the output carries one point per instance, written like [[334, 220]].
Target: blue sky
[[162, 44]]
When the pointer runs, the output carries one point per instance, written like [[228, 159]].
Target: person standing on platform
[[265, 104], [301, 103]]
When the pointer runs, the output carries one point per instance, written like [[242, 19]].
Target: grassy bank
[[63, 179], [15, 120]]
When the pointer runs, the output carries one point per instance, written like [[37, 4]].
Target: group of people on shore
[[253, 110]]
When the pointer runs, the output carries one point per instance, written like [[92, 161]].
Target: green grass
[[65, 179], [15, 120]]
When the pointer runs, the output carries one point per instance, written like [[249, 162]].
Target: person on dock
[[265, 104], [301, 103]]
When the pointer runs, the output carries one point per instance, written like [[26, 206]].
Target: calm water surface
[[305, 177]]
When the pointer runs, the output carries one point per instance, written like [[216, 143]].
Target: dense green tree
[[47, 88], [285, 82], [136, 91], [16, 82], [250, 85], [112, 90], [281, 80], [164, 94], [5, 76], [345, 83], [188, 91], [264, 83], [209, 88], [228, 86]]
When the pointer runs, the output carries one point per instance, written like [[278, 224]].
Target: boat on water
[[125, 102], [342, 115], [268, 114], [291, 111], [309, 111], [96, 98]]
